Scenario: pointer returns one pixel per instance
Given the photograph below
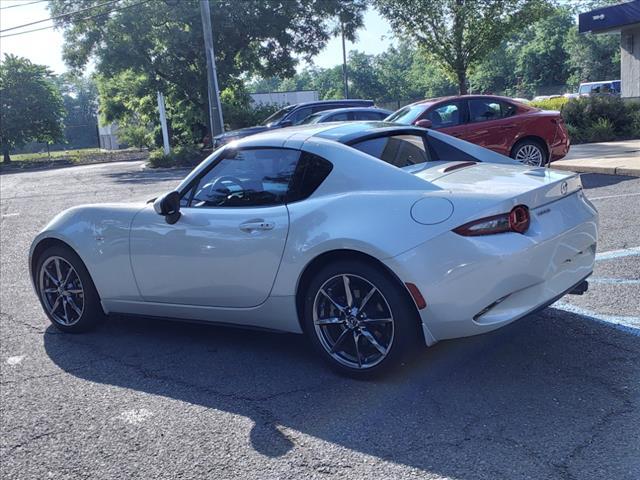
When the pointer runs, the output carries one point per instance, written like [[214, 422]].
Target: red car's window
[[481, 110], [446, 115]]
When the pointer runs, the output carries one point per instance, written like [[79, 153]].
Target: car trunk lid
[[500, 184]]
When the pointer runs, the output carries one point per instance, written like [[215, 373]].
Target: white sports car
[[367, 237]]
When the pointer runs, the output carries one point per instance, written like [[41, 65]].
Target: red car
[[528, 134]]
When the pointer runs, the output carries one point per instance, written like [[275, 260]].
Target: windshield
[[406, 115], [279, 115], [315, 118]]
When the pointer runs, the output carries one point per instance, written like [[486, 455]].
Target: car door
[[448, 117], [492, 124], [226, 248]]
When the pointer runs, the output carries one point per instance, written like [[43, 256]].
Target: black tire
[[523, 148], [362, 277], [87, 302]]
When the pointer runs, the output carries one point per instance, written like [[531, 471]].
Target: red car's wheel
[[530, 152]]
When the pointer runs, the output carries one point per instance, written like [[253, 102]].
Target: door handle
[[256, 225]]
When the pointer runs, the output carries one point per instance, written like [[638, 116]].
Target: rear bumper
[[473, 285], [561, 144]]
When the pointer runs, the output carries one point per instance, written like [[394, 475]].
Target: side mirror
[[424, 123], [168, 205], [286, 123]]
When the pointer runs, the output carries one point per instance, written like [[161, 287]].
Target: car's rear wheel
[[66, 291], [530, 152], [359, 318]]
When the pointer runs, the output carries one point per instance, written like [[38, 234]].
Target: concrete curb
[[607, 170]]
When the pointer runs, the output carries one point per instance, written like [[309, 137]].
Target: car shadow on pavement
[[596, 180], [551, 396]]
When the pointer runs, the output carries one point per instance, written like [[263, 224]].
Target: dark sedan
[[347, 115], [288, 116]]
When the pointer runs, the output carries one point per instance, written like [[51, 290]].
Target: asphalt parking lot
[[553, 396]]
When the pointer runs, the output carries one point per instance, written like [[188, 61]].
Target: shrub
[[601, 118], [180, 156], [551, 103], [135, 135], [576, 134], [584, 112], [601, 131]]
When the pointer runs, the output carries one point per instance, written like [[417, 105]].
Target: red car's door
[[448, 117], [492, 124]]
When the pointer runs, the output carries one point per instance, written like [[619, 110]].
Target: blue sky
[[45, 47]]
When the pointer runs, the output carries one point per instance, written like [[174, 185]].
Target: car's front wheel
[[530, 152], [66, 291], [359, 318]]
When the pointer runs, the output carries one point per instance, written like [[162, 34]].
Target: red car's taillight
[[517, 220]]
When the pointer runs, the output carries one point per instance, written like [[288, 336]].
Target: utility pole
[[344, 63], [163, 124], [215, 111]]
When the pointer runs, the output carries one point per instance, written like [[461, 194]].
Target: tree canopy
[[459, 34], [144, 46], [31, 106]]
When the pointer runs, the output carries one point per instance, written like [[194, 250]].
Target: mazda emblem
[[563, 188]]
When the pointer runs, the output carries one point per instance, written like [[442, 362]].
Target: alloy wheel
[[61, 291], [530, 155], [353, 321]]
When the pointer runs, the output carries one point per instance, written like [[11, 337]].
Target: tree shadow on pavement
[[551, 396], [146, 177]]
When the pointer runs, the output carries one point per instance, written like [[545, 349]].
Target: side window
[[507, 109], [445, 152], [300, 114], [481, 110], [338, 117], [398, 150], [245, 178], [447, 115], [370, 116], [311, 172]]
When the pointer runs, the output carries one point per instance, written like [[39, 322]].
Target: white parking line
[[624, 252], [614, 196], [7, 215], [626, 324]]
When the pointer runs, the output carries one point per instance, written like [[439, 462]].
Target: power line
[[110, 2], [22, 4], [78, 19]]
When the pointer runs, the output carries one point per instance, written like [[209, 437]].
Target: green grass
[[73, 155]]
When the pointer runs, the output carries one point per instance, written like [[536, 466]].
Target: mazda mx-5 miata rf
[[367, 237]]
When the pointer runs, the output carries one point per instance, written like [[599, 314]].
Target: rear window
[[398, 150]]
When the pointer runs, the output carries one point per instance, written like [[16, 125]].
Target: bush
[[601, 131], [180, 156], [551, 103], [601, 118], [135, 135]]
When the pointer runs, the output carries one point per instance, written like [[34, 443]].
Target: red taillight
[[517, 220]]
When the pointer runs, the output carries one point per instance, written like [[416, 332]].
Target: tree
[[80, 95], [459, 34], [542, 61], [159, 46], [31, 107], [592, 57]]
